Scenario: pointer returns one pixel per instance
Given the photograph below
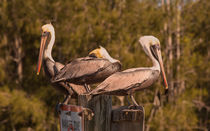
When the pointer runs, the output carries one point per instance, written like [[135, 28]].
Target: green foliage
[[19, 111], [178, 116]]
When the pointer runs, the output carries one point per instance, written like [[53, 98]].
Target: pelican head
[[151, 46], [47, 41], [101, 52], [48, 28]]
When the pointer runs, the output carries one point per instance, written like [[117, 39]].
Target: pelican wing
[[58, 66], [124, 83], [81, 67]]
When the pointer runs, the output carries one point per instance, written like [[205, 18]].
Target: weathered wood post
[[79, 118], [128, 119], [101, 106]]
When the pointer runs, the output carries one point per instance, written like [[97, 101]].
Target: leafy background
[[27, 101]]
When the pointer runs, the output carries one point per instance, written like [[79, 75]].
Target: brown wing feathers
[[123, 83], [81, 68]]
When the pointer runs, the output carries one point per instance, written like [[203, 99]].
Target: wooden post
[[101, 106], [128, 119]]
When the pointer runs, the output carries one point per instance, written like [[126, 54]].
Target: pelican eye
[[45, 33], [156, 46]]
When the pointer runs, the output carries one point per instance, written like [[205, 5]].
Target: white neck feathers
[[48, 50], [106, 55]]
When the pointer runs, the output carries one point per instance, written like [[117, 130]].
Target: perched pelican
[[89, 70], [135, 79], [51, 67]]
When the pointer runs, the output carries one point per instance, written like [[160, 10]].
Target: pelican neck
[[48, 50]]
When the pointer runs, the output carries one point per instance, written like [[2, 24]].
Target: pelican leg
[[133, 100], [66, 99], [86, 87], [126, 97]]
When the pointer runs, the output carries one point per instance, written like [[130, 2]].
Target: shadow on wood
[[128, 119], [101, 106]]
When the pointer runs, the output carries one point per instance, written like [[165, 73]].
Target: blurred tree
[[27, 101], [20, 112]]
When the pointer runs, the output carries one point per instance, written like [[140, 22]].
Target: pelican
[[89, 70], [135, 79], [51, 67], [77, 66]]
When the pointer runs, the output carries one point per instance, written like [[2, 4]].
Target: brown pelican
[[135, 79], [51, 67], [89, 70], [81, 68]]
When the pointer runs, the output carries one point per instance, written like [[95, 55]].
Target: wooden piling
[[101, 106], [128, 119]]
